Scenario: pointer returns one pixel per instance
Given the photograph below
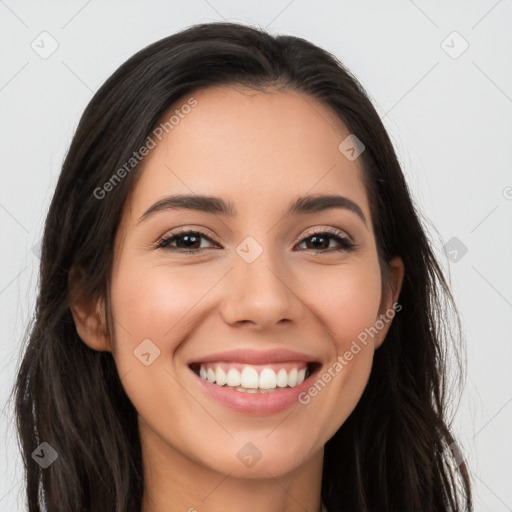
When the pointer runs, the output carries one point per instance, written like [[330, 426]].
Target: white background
[[449, 118]]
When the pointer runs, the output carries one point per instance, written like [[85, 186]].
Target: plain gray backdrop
[[440, 76]]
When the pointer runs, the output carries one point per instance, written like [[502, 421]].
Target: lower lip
[[257, 404]]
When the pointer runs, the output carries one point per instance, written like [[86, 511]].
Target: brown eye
[[185, 241], [321, 241]]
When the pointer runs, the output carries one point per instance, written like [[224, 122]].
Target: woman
[[238, 304]]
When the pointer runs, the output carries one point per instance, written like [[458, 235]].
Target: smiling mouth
[[252, 378]]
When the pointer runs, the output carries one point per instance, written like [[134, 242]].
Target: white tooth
[[301, 376], [233, 377], [282, 378], [220, 376], [251, 390], [249, 378], [202, 372], [292, 378], [210, 375], [268, 378]]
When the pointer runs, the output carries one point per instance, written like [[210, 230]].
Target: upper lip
[[249, 356]]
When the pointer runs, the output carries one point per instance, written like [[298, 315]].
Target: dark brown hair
[[394, 452]]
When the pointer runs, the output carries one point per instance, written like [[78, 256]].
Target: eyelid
[[200, 230], [327, 230]]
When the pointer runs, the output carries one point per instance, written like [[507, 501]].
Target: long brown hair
[[393, 453]]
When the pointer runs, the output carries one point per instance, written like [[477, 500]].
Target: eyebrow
[[217, 206]]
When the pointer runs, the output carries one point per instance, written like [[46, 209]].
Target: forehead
[[253, 148]]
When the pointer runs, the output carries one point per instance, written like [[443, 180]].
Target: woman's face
[[263, 298]]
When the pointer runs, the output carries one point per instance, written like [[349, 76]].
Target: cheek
[[347, 301], [151, 308], [346, 304], [154, 302]]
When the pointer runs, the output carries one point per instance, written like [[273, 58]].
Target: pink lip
[[257, 404], [255, 357], [263, 404]]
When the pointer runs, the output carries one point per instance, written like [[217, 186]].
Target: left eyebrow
[[217, 205], [311, 204]]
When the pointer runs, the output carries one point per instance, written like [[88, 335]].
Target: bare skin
[[259, 151]]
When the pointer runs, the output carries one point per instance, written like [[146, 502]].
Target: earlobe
[[89, 317]]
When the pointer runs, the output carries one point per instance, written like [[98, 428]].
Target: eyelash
[[345, 243]]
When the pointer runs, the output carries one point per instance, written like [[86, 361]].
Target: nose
[[258, 294]]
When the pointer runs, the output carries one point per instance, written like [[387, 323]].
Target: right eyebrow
[[207, 204]]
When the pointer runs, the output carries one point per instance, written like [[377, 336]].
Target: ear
[[390, 292], [88, 314]]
